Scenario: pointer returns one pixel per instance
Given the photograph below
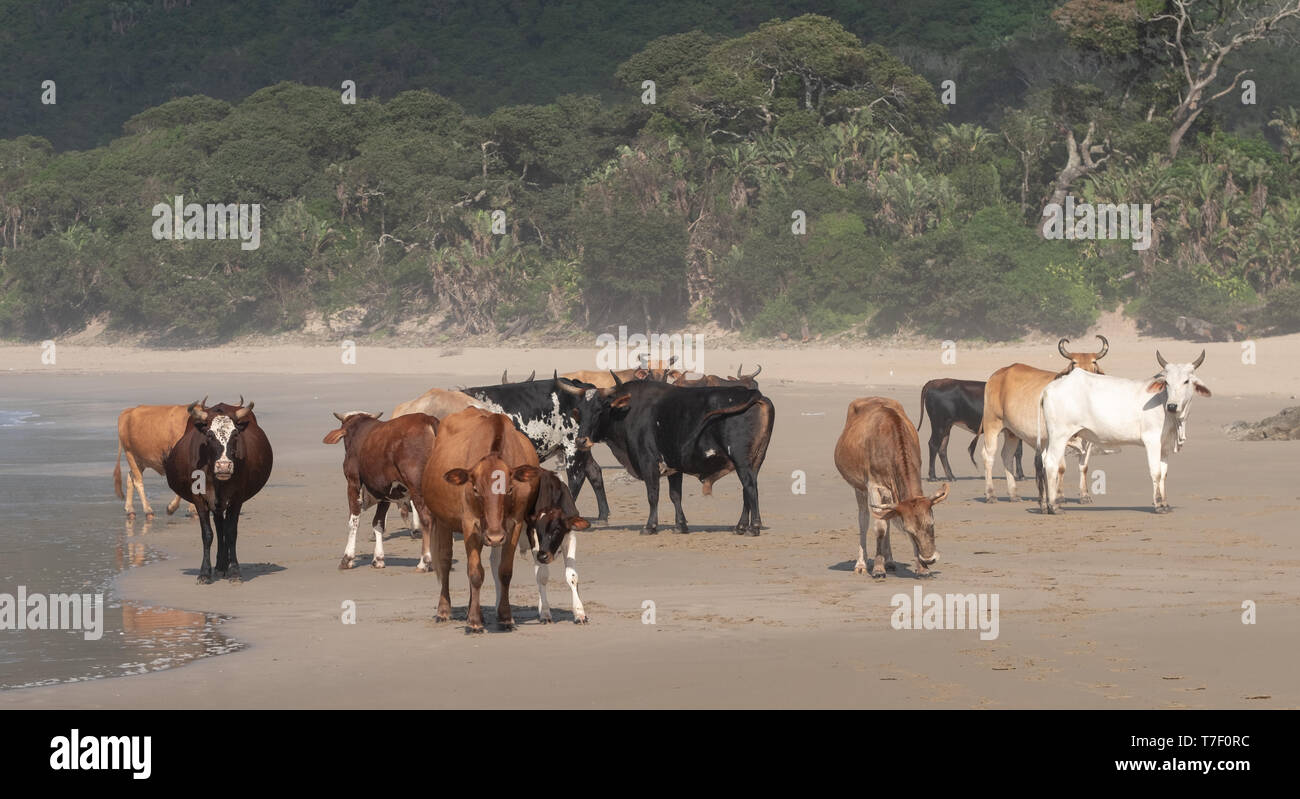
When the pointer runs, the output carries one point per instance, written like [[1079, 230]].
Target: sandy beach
[[1108, 605]]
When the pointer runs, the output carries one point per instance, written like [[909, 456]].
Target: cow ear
[[621, 402], [1201, 388], [884, 511], [1156, 386], [196, 450], [941, 496], [525, 474], [578, 523], [457, 477], [333, 436]]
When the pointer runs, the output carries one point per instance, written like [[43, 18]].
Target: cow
[[222, 461], [1113, 411], [656, 429], [1011, 407], [481, 480], [747, 381], [879, 455], [954, 402], [383, 462], [551, 523], [435, 402], [549, 413], [146, 433]]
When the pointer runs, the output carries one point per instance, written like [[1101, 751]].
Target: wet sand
[[1108, 605]]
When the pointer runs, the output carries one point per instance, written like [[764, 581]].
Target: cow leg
[[881, 528], [205, 532], [937, 441], [989, 451], [441, 535], [354, 520], [129, 505], [1053, 458], [503, 568], [571, 577], [943, 457], [232, 537], [137, 479], [750, 520], [1008, 464], [583, 468], [410, 517], [864, 523], [174, 504], [675, 494], [542, 572], [1156, 466], [378, 526], [223, 555], [474, 568], [424, 525], [1085, 496], [1020, 453], [652, 496]]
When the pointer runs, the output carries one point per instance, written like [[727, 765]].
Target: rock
[[347, 321], [1285, 426]]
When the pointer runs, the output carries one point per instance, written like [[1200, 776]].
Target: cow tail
[[117, 473], [921, 419], [708, 417], [1038, 425], [973, 441]]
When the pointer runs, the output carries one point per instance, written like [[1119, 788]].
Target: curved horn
[[1060, 347], [1105, 347], [1200, 360], [740, 369], [531, 375], [756, 371], [617, 382], [340, 418], [570, 389], [504, 379], [1160, 359], [243, 413], [241, 400]]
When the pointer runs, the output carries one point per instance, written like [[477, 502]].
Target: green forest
[[797, 174]]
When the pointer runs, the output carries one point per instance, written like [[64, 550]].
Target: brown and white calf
[[879, 454], [551, 523], [383, 462]]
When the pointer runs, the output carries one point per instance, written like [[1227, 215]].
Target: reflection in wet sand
[[171, 636]]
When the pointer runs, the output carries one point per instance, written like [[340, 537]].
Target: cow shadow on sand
[[1074, 506], [522, 615], [247, 571], [668, 528], [901, 570]]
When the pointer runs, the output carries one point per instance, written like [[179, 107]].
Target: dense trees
[[788, 179]]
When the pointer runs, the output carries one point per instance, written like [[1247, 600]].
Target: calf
[[481, 480], [383, 462], [146, 433], [551, 523], [222, 461], [955, 402], [879, 454], [656, 429], [1112, 411]]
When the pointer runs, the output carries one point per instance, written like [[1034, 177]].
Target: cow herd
[[468, 460]]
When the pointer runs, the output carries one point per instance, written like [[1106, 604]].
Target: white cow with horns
[[1110, 411]]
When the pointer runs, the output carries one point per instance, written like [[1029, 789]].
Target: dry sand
[[1106, 606]]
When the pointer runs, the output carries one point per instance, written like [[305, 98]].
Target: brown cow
[[383, 462], [879, 454], [481, 480], [221, 462], [146, 433], [1011, 407]]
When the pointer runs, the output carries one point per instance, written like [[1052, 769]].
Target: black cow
[[222, 460], [549, 413], [654, 428], [955, 402]]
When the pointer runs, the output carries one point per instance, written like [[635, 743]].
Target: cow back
[[1011, 398], [149, 432], [880, 446]]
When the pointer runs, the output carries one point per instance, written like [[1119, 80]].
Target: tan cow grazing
[[879, 454], [146, 433], [383, 462], [482, 480], [1011, 408], [436, 402]]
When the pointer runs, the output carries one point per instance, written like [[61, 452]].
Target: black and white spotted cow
[[549, 413]]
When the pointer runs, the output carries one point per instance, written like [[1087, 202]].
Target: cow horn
[[504, 379], [340, 418], [756, 371], [617, 382], [1160, 359], [1105, 347], [195, 410], [241, 400], [243, 412], [531, 375], [740, 369], [1060, 347], [570, 389], [1196, 364]]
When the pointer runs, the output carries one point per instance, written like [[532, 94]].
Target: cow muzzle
[[1172, 408], [223, 469], [494, 538], [583, 443], [932, 560]]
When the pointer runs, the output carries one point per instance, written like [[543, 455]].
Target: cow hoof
[[1013, 498], [416, 534], [149, 515], [753, 531], [474, 629], [740, 529], [878, 576], [506, 626], [1051, 510], [345, 564], [219, 573], [582, 619], [235, 578], [377, 563], [681, 528], [861, 568], [422, 566], [989, 496], [649, 531], [205, 579], [1085, 500], [1163, 508], [439, 618], [545, 619], [130, 514]]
